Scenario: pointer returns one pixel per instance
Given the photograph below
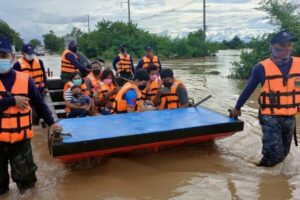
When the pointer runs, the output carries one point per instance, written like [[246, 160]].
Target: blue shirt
[[117, 59], [131, 97], [83, 100], [34, 95], [258, 77]]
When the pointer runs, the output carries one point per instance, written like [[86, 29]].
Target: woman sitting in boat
[[75, 79], [128, 98], [106, 93], [150, 92], [172, 93], [92, 80], [80, 104]]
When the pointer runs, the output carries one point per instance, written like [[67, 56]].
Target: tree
[[282, 14], [35, 42], [52, 42], [12, 35]]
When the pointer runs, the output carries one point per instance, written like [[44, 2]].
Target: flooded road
[[220, 170]]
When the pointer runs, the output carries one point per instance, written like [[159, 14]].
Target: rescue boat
[[105, 135]]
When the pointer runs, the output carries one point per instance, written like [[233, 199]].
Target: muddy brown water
[[219, 170]]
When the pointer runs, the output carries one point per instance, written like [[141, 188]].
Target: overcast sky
[[225, 18]]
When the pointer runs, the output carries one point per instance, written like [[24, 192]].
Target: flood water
[[223, 169]]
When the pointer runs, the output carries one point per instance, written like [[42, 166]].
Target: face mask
[[142, 87], [96, 72], [74, 49], [29, 57], [167, 84], [107, 81], [5, 66], [153, 77], [77, 81], [280, 55]]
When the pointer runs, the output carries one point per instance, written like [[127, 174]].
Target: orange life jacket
[[94, 82], [66, 65], [104, 89], [69, 85], [280, 95], [150, 92], [15, 124], [147, 61], [124, 65], [170, 100], [35, 71], [120, 105]]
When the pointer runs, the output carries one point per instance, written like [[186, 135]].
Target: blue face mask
[[5, 66], [77, 81]]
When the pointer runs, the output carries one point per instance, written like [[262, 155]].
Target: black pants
[[19, 156]]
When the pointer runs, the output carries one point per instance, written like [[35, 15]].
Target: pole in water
[[202, 101]]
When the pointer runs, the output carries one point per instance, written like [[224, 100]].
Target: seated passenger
[[150, 92], [107, 92], [128, 99], [92, 80], [172, 94], [79, 104], [76, 79]]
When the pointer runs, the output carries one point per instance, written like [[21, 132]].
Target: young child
[[79, 103]]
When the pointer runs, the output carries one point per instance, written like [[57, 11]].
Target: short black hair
[[75, 74], [100, 60], [151, 68], [166, 73], [141, 75]]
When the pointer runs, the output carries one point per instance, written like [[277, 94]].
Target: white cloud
[[225, 18]]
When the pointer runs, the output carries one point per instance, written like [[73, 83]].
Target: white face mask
[[5, 65], [29, 57]]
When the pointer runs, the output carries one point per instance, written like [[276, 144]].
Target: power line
[[166, 11]]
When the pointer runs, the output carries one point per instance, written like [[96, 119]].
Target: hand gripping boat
[[104, 135]]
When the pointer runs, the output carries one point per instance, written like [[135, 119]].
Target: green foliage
[[52, 42], [106, 38], [235, 43], [35, 42], [282, 14], [12, 35]]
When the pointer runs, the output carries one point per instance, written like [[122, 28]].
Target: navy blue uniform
[[277, 130]]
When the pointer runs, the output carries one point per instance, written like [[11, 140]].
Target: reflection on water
[[220, 170]]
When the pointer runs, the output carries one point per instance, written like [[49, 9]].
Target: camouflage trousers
[[19, 156], [277, 138]]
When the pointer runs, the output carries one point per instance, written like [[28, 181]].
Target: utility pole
[[128, 2], [128, 6], [88, 21], [204, 19]]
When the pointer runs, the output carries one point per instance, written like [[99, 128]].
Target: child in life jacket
[[80, 103]]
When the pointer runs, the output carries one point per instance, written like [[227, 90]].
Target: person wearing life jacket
[[75, 79], [32, 66], [92, 80], [107, 92], [123, 64], [151, 91], [149, 58], [128, 99], [173, 94], [17, 92], [279, 100], [70, 62]]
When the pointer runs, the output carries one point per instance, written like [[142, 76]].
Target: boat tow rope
[[202, 101], [57, 136]]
